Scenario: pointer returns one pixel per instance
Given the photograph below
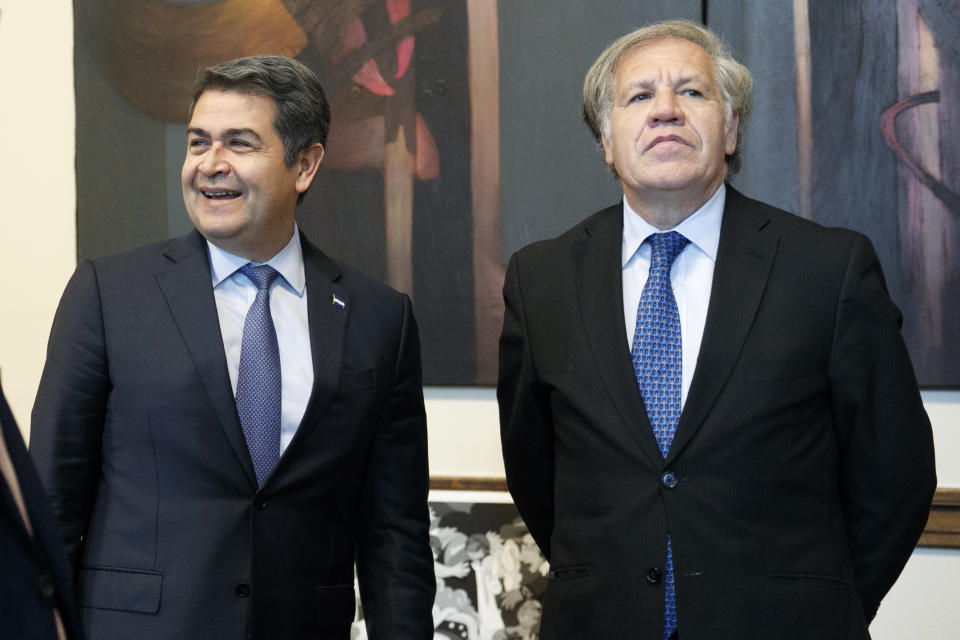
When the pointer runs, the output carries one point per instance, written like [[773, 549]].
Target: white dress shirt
[[691, 275], [234, 293]]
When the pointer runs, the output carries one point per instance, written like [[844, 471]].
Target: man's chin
[[215, 228], [677, 178], [218, 234]]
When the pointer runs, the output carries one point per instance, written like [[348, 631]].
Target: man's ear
[[307, 164], [731, 142], [607, 149]]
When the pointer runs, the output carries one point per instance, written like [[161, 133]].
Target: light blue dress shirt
[[234, 293], [691, 274]]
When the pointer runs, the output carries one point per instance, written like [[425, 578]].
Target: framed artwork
[[456, 137], [490, 573]]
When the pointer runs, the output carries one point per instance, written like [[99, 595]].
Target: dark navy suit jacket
[[136, 436]]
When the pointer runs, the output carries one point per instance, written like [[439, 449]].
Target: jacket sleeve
[[526, 427], [394, 561], [68, 413], [887, 472]]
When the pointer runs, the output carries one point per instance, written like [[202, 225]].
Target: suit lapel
[[596, 265], [745, 256], [328, 307], [187, 288]]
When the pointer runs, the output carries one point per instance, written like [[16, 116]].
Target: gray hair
[[303, 114], [733, 79]]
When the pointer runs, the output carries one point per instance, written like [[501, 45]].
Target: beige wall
[[37, 188], [38, 240]]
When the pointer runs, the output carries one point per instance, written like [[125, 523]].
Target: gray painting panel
[[760, 33], [120, 175], [175, 144]]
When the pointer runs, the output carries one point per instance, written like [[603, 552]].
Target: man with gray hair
[[229, 421], [710, 422]]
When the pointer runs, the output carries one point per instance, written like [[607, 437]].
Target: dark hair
[[733, 79], [303, 114]]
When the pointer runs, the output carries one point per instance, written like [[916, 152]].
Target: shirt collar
[[701, 228], [288, 262]]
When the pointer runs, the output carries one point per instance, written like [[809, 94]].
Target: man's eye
[[691, 93], [640, 96], [240, 144], [196, 144]]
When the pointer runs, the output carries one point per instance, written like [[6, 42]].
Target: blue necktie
[[258, 380], [657, 362]]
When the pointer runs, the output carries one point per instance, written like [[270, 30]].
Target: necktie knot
[[666, 247], [262, 276]]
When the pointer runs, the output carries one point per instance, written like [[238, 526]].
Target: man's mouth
[[219, 194], [670, 138]]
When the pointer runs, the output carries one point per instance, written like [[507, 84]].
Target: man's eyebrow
[[693, 77], [650, 83], [242, 132]]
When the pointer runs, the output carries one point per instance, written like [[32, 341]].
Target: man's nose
[[214, 160], [665, 108]]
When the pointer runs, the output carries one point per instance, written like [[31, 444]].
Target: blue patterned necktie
[[258, 380], [657, 362]]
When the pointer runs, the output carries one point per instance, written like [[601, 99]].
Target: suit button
[[653, 575], [46, 585], [669, 479], [261, 503], [242, 590]]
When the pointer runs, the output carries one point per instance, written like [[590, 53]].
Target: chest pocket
[[366, 378]]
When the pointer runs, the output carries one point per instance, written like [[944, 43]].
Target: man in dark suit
[[36, 595], [228, 420], [710, 422]]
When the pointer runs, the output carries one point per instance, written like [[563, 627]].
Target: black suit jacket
[[34, 576], [802, 466], [136, 435]]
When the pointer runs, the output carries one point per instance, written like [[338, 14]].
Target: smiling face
[[238, 191], [668, 134]]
